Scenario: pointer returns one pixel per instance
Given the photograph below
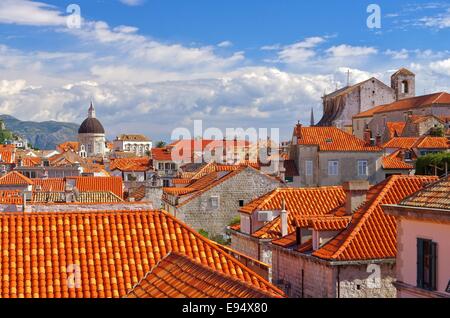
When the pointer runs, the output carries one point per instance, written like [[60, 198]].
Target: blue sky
[[151, 66]]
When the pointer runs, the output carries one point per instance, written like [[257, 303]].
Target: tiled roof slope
[[49, 185], [10, 197], [440, 98], [372, 234], [15, 178], [83, 197], [93, 184], [433, 196], [138, 164], [393, 161], [300, 203], [424, 142], [331, 139], [111, 251], [178, 276]]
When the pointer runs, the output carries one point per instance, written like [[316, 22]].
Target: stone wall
[[123, 206], [301, 275], [247, 185]]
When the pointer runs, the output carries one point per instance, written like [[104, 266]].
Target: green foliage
[[203, 233], [160, 144], [437, 131], [426, 165], [235, 220], [221, 240], [5, 135]]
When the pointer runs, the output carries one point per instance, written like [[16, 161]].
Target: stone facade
[[199, 212], [251, 246], [68, 207], [339, 107], [304, 276], [347, 166]]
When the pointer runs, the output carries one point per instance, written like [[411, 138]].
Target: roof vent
[[329, 140]]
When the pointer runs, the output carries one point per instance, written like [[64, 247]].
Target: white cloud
[[225, 44], [300, 51], [345, 50], [441, 67], [132, 2], [397, 55], [26, 12]]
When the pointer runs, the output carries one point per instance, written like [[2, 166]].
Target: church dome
[[91, 126]]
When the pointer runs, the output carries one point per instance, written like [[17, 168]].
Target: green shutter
[[419, 263], [433, 265]]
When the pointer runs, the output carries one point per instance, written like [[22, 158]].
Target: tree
[[437, 131], [161, 144], [433, 164]]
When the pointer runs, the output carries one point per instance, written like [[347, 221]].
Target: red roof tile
[[92, 184], [331, 139], [110, 250], [372, 234], [131, 164], [15, 178], [393, 161], [49, 185], [395, 128], [434, 196], [178, 276]]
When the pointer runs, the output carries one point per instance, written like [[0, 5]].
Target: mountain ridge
[[44, 135]]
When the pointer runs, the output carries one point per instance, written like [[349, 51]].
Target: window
[[160, 166], [405, 88], [426, 264], [166, 183], [333, 168], [241, 203], [363, 168], [214, 201], [309, 167]]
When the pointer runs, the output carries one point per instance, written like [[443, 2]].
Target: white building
[[91, 136], [140, 145]]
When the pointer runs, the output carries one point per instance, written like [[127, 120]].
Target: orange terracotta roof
[[393, 161], [161, 154], [178, 191], [15, 178], [69, 145], [178, 276], [6, 156], [395, 128], [372, 234], [370, 112], [10, 197], [29, 161], [440, 98], [131, 164], [330, 223], [181, 181], [332, 139], [433, 196], [137, 194], [401, 142], [49, 185], [111, 250], [429, 142], [300, 203], [92, 184]]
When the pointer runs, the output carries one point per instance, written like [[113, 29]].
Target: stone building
[[211, 202], [332, 242], [423, 244], [375, 119], [340, 106], [139, 145], [329, 156], [91, 136]]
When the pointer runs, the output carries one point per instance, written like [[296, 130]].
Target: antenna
[[348, 77]]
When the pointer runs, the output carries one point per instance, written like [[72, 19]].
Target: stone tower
[[404, 84]]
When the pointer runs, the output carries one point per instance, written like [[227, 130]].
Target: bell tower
[[404, 84]]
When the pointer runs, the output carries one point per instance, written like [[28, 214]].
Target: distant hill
[[43, 135]]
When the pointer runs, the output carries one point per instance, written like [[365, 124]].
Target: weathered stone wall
[[348, 167], [154, 195], [301, 275], [247, 185]]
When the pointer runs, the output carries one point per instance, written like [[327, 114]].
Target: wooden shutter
[[433, 265], [419, 263]]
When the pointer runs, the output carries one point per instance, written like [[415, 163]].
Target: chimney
[[298, 130], [378, 140], [284, 219], [355, 192], [367, 135]]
